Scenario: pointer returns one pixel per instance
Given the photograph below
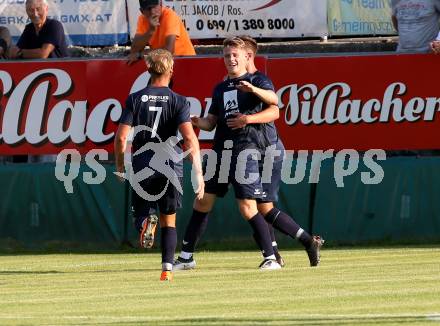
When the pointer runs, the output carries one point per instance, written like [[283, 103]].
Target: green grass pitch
[[369, 286]]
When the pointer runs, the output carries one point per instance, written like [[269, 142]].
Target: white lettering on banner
[[40, 99], [6, 80], [330, 105], [258, 18], [360, 17], [79, 127]]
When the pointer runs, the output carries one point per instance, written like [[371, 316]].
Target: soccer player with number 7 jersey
[[157, 113]]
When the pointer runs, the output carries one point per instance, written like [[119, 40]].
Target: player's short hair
[[159, 61], [250, 43], [234, 42]]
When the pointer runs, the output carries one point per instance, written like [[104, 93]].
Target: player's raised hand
[[154, 20], [238, 121], [245, 86]]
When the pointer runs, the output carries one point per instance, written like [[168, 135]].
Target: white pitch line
[[432, 317]]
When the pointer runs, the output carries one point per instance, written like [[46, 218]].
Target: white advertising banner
[[367, 17], [86, 22], [257, 18]]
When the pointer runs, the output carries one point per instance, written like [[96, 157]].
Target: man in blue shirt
[[42, 38], [262, 86], [275, 217], [157, 114], [230, 142]]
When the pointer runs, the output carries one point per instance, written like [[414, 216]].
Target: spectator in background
[[417, 22], [159, 27], [5, 42], [42, 38], [435, 45]]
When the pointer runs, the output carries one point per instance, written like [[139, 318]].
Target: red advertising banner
[[356, 102], [48, 106]]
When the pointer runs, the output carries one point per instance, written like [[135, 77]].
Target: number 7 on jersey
[[157, 109]]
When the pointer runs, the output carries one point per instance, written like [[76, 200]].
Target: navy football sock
[[194, 230], [168, 242], [284, 223], [262, 235], [272, 237]]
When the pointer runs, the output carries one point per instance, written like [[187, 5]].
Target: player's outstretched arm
[[240, 120], [268, 96], [120, 145], [192, 143], [208, 123]]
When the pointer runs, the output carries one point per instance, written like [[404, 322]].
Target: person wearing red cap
[[159, 27]]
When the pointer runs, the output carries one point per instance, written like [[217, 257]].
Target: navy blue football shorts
[[168, 203], [271, 187], [243, 175]]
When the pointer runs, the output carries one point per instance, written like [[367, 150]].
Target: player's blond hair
[[159, 61], [234, 42], [250, 43]]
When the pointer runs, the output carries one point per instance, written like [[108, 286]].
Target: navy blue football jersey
[[262, 79], [159, 109], [227, 100]]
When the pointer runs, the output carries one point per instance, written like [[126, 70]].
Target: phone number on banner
[[232, 25]]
